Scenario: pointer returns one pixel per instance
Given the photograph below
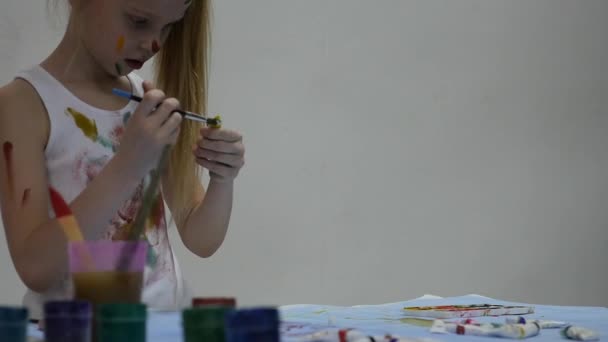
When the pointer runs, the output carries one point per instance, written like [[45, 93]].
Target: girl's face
[[121, 35]]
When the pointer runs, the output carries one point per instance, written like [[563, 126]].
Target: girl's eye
[[138, 21]]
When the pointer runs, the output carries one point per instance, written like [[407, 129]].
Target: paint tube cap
[[214, 301]]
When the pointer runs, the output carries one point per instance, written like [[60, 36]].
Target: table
[[386, 318]]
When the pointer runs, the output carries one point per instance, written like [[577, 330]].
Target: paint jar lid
[[72, 308], [214, 301], [13, 315], [258, 319], [122, 312]]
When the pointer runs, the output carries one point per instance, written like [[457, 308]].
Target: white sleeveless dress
[[82, 140]]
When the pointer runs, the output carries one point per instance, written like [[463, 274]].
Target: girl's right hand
[[153, 125]]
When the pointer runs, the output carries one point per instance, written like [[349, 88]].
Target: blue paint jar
[[253, 325], [13, 323]]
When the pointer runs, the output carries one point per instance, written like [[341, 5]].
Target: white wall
[[400, 147]]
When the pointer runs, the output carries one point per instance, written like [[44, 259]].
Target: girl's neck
[[72, 64]]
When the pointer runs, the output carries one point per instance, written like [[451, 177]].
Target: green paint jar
[[205, 324], [121, 322]]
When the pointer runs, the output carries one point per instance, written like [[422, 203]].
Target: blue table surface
[[386, 318]]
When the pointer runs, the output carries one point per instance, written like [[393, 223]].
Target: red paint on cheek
[[155, 47]]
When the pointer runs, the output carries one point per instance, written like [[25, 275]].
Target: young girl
[[62, 128]]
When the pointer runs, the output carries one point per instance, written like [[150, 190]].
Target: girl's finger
[[231, 160]]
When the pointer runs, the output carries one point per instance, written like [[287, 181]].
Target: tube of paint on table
[[67, 321], [580, 334], [517, 331], [13, 323], [204, 324], [253, 325], [544, 324]]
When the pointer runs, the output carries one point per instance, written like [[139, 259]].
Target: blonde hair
[[182, 72]]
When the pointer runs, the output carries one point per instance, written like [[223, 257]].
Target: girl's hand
[[153, 125], [221, 152]]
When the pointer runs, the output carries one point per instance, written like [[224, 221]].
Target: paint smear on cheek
[[8, 160], [118, 68], [120, 44], [155, 47]]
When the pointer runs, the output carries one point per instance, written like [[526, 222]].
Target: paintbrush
[[139, 224], [68, 222], [211, 122], [65, 217], [149, 196]]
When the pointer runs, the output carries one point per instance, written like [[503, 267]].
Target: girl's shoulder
[[22, 110]]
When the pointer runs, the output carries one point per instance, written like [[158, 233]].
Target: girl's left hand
[[221, 152]]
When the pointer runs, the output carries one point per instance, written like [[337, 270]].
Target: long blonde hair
[[181, 71]]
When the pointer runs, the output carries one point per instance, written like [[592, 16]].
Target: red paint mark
[[116, 135], [26, 197], [8, 159], [155, 47], [460, 330], [342, 334], [61, 208]]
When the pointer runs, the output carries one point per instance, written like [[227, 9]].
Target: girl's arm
[[222, 153], [205, 227]]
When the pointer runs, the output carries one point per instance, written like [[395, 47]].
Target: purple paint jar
[[67, 321]]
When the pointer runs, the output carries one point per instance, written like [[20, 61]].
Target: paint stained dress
[[82, 140]]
